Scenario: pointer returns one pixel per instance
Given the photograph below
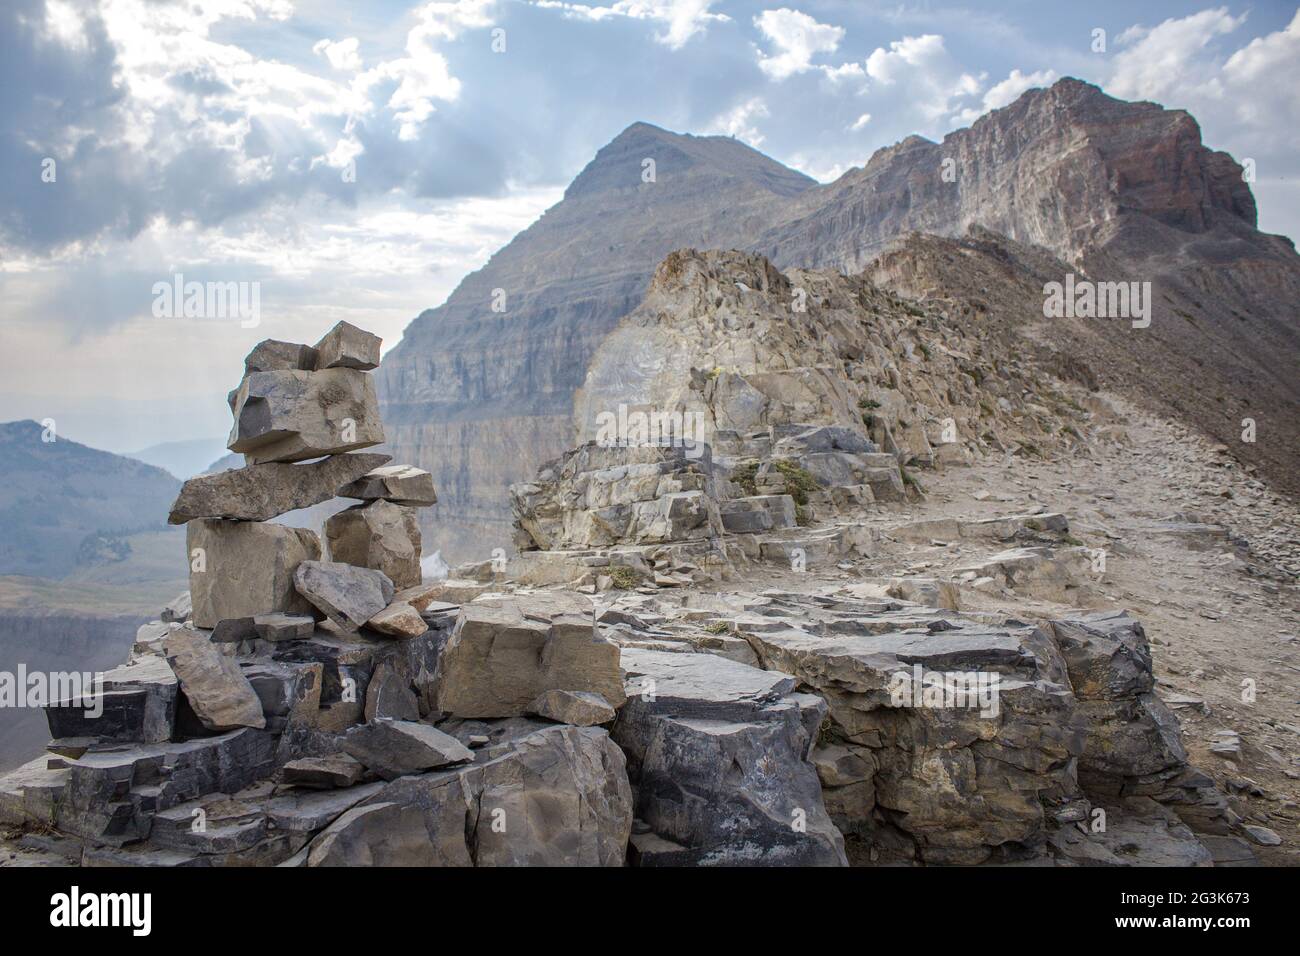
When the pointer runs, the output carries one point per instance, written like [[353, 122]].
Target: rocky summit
[[713, 646]]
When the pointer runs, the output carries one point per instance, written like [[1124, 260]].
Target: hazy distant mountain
[[1117, 190], [64, 505], [183, 459]]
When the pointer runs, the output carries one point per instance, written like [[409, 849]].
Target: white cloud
[[796, 38], [860, 122], [926, 75], [342, 55], [683, 19], [739, 121], [424, 75], [1245, 100], [1001, 94], [1154, 62]]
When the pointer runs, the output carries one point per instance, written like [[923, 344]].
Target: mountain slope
[[479, 397], [1109, 189], [64, 505]]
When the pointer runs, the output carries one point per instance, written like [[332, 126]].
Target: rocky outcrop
[[1122, 190]]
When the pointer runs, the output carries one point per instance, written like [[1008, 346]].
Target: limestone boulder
[[400, 484], [580, 708], [272, 355], [505, 652], [348, 595], [216, 689], [379, 535], [262, 492], [346, 346], [399, 619], [242, 569], [292, 415]]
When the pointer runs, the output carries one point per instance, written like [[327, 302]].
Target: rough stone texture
[[348, 595], [248, 568], [558, 796], [580, 708], [757, 513], [599, 495], [378, 535], [292, 415], [272, 355], [346, 346], [283, 627], [400, 484], [216, 689], [262, 492], [718, 756], [398, 620], [507, 651], [323, 773], [139, 703], [395, 748], [962, 784], [1133, 743]]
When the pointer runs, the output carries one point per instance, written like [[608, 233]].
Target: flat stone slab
[[262, 492], [219, 693], [349, 596], [400, 484], [395, 748]]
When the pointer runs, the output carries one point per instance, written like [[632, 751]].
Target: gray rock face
[[138, 703], [395, 748], [283, 627], [216, 689], [272, 355], [1133, 743], [262, 492], [400, 484], [540, 795], [757, 514], [346, 346], [580, 708], [400, 620], [378, 535], [718, 756], [348, 595], [243, 569], [292, 415], [506, 652], [599, 495], [965, 777]]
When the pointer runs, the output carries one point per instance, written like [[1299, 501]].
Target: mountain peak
[[621, 163]]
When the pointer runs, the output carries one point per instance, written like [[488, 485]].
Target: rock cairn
[[290, 709]]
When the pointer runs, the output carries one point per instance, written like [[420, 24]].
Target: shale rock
[[718, 758], [346, 346], [262, 492], [395, 748], [400, 484], [580, 708], [378, 535], [505, 652], [561, 793], [216, 689], [243, 569], [323, 773], [348, 595], [398, 620], [292, 415]]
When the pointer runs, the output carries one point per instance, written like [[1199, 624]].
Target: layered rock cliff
[[1107, 189]]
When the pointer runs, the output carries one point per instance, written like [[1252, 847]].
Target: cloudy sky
[[357, 159]]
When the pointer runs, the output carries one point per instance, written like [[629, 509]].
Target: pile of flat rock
[[296, 711]]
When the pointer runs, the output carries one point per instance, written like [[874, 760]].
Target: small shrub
[[624, 578]]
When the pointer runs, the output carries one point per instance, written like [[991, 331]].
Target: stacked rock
[[251, 579]]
